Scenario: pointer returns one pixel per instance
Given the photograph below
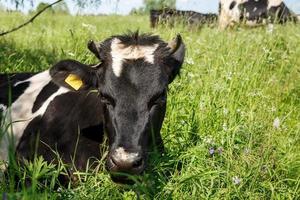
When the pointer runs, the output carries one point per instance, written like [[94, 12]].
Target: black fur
[[71, 126], [9, 92], [46, 92], [168, 16]]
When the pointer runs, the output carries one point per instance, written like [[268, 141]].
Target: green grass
[[233, 86]]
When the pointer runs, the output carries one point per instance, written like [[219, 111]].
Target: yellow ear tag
[[74, 81]]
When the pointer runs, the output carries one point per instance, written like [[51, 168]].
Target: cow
[[169, 16], [67, 109], [253, 12]]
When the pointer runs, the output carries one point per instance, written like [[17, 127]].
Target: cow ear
[[74, 75], [176, 57], [95, 48]]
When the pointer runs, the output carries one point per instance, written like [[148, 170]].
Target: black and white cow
[[169, 16], [66, 109], [253, 12]]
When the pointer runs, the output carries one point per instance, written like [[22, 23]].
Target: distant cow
[[66, 109], [253, 12], [169, 16]]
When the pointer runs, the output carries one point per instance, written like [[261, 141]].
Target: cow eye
[[107, 99], [159, 98]]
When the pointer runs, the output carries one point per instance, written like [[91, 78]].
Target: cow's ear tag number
[[74, 81]]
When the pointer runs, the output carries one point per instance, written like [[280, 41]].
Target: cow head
[[132, 81]]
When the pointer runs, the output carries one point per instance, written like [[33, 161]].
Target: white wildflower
[[236, 180], [71, 54], [218, 87], [202, 105], [229, 76], [270, 28], [247, 151], [225, 111], [191, 75], [190, 61], [90, 27], [224, 126], [273, 109], [276, 123], [208, 140], [243, 114]]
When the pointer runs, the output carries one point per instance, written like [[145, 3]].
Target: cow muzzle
[[121, 162]]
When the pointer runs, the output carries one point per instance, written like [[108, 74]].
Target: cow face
[[132, 80]]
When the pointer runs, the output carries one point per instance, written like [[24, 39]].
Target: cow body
[[40, 109], [62, 113], [169, 16], [253, 12]]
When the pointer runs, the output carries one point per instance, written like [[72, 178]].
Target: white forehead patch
[[120, 52], [122, 155]]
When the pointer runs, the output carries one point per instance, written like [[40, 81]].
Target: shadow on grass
[[17, 59]]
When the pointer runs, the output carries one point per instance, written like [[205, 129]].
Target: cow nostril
[[122, 160], [137, 163]]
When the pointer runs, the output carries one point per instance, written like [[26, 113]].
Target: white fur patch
[[120, 52], [274, 3], [122, 155], [227, 16], [20, 113]]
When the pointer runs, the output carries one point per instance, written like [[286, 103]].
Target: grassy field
[[232, 129]]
